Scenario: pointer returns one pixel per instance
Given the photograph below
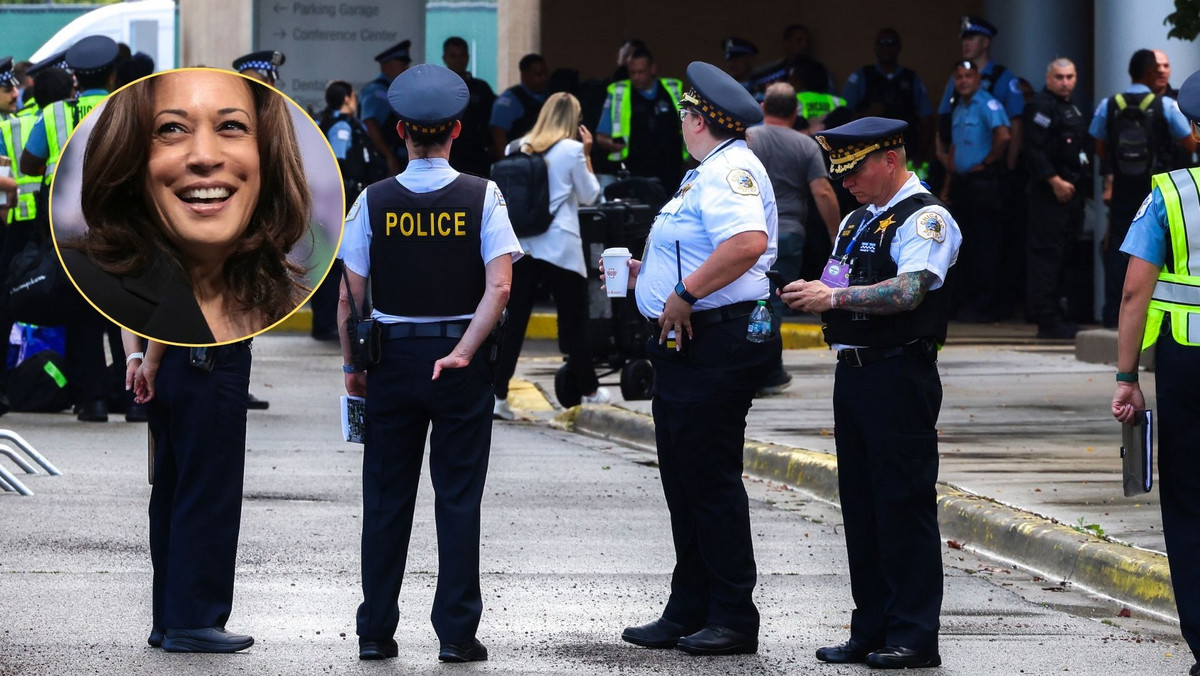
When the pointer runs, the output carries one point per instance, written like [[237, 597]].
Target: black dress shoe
[[256, 404], [657, 634], [156, 637], [93, 411], [369, 649], [716, 640], [893, 657], [210, 640], [469, 651], [136, 413], [850, 652]]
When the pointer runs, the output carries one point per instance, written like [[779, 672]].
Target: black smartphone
[[776, 278]]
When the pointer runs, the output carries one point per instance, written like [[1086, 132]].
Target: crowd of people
[[755, 168]]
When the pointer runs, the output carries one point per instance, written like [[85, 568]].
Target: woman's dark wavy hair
[[122, 234]]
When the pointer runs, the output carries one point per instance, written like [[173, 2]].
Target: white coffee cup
[[616, 271]]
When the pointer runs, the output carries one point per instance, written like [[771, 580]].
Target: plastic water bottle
[[759, 329]]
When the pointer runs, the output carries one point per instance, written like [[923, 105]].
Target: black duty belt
[[717, 315], [424, 330], [861, 356]]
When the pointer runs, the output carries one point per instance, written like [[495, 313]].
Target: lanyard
[[692, 173], [854, 240]]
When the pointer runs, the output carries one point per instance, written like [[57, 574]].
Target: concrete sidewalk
[[1030, 465]]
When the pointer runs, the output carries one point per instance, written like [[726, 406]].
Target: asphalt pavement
[[576, 546]]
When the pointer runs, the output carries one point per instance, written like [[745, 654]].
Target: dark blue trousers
[[701, 399], [1177, 372], [402, 404], [885, 417], [198, 422]]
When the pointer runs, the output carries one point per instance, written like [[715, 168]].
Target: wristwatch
[[682, 292], [350, 368]]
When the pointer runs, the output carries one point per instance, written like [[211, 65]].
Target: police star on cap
[[851, 143], [1189, 97], [974, 25], [397, 51], [267, 60], [6, 73], [428, 98], [93, 54], [720, 99]]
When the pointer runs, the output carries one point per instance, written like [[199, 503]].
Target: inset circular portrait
[[197, 207]]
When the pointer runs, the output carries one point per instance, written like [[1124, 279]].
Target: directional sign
[[329, 40]]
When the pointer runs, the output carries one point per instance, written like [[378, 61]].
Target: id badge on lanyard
[[836, 274]]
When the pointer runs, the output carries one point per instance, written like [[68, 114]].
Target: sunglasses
[[684, 112]]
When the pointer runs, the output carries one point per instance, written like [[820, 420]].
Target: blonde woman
[[555, 257]]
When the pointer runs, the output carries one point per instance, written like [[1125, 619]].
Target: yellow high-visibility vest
[[1178, 290], [620, 110], [15, 132]]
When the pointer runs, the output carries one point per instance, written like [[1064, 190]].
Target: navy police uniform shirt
[[728, 194], [426, 175]]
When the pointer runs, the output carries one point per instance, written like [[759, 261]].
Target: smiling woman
[[194, 193]]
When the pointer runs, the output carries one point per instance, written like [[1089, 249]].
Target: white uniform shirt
[[916, 247], [728, 194], [426, 175], [571, 184]]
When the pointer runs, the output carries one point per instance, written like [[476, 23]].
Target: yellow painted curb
[[525, 396], [544, 326]]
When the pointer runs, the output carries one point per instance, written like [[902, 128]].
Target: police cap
[[851, 143], [268, 61], [720, 99], [1189, 97], [7, 79], [736, 47], [92, 55], [974, 25], [58, 60], [398, 51], [428, 98]]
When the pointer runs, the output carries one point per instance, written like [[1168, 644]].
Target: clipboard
[[1137, 454]]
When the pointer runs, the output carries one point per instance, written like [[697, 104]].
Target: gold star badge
[[883, 225]]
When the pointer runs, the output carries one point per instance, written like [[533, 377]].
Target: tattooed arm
[[898, 294]]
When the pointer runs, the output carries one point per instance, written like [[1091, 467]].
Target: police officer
[[1059, 175], [438, 249], [10, 92], [887, 89], [885, 313], [93, 60], [375, 113], [517, 108], [196, 400], [639, 124], [704, 270], [262, 66], [1158, 308]]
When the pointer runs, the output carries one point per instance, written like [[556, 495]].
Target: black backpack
[[37, 385], [1132, 128], [525, 184]]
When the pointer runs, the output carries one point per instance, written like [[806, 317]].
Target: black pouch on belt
[[365, 334]]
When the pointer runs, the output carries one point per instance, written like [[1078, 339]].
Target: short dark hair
[[641, 53], [423, 140], [454, 41], [94, 80], [1142, 63], [781, 104], [336, 94], [528, 62], [793, 29], [52, 84]]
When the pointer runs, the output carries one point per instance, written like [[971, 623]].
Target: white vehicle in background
[[145, 25]]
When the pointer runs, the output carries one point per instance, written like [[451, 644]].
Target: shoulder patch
[[1014, 86], [741, 182], [1041, 120], [499, 196], [994, 104], [931, 226], [356, 206], [1145, 205]]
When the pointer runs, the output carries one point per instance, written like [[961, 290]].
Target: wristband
[[1127, 376], [135, 355], [350, 368]]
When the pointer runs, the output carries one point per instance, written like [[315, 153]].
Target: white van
[[145, 25]]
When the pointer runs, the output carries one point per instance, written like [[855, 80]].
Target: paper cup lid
[[617, 251]]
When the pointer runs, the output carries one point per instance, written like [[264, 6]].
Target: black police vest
[[655, 138], [1068, 130], [532, 108], [870, 263], [425, 256], [896, 94], [363, 165]]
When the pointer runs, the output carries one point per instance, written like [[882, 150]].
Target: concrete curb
[[544, 326], [1133, 576]]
